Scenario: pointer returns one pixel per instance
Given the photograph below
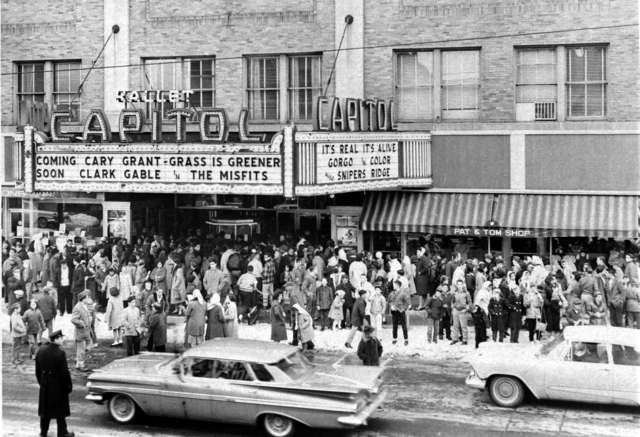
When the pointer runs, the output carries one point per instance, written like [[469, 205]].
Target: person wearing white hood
[[539, 272], [305, 324], [195, 319]]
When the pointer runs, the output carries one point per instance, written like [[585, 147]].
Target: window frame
[[519, 83], [568, 82], [432, 86], [467, 114], [49, 77], [285, 91], [308, 89]]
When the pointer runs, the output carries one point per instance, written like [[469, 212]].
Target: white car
[[598, 364]]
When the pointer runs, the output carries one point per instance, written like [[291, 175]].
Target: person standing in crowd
[[460, 301], [400, 303], [631, 269], [357, 317], [479, 324], [514, 317], [423, 269], [616, 295], [158, 327], [113, 315], [533, 303], [132, 324], [553, 304], [81, 319], [268, 278], [78, 279], [587, 285], [497, 309], [349, 300], [278, 324], [159, 277], [47, 306], [213, 278], [100, 276], [230, 316], [18, 331], [247, 286], [324, 299], [66, 298], [195, 319], [378, 307], [597, 310], [35, 325], [575, 315], [215, 318], [434, 316], [369, 348], [55, 384], [306, 328], [178, 289], [336, 312], [297, 298], [112, 280], [309, 286], [447, 300]]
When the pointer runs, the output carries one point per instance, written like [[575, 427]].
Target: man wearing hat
[[18, 330], [78, 279], [81, 319], [55, 385], [370, 348]]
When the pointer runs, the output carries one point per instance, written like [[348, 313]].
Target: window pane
[[271, 73], [195, 100], [576, 59], [595, 100], [595, 60], [577, 100], [469, 97], [407, 70], [207, 99], [207, 82], [460, 76], [195, 68], [38, 78], [304, 85]]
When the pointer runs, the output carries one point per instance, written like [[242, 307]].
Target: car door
[[583, 373], [626, 375]]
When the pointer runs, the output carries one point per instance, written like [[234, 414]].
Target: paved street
[[428, 398]]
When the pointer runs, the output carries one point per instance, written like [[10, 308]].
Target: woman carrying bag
[[533, 310]]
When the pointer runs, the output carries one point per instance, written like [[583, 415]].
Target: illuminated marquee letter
[[372, 113], [382, 115], [138, 116], [206, 136], [104, 130], [181, 115], [134, 97], [318, 118], [353, 114], [156, 126], [391, 114], [337, 116], [243, 129], [144, 97], [56, 135]]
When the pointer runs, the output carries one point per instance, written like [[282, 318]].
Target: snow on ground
[[325, 340]]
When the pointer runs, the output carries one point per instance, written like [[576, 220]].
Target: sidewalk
[[327, 340]]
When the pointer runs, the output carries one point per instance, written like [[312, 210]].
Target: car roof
[[235, 349], [603, 334]]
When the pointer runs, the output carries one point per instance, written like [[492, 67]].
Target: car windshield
[[294, 366], [547, 348]]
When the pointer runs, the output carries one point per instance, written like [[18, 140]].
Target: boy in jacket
[[434, 316], [399, 302], [496, 315], [460, 302], [35, 324], [370, 348], [18, 330]]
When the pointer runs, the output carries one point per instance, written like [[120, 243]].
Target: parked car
[[598, 364], [239, 381]]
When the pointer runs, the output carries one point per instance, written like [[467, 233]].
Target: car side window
[[625, 355], [201, 368], [595, 353], [231, 370], [261, 372]]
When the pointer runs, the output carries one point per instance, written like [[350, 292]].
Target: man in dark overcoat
[[55, 386]]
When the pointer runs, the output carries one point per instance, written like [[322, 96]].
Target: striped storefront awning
[[424, 212], [570, 215]]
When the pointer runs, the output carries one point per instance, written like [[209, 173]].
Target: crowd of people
[[216, 282]]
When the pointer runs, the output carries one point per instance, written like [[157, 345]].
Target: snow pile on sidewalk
[[324, 340]]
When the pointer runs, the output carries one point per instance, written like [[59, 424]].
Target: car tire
[[122, 408], [42, 222], [506, 391], [275, 425]]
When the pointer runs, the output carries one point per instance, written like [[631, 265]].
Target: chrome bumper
[[474, 382], [362, 416], [98, 399]]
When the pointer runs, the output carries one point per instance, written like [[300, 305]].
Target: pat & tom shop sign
[[291, 164]]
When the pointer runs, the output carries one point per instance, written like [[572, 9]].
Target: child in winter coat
[[35, 324], [113, 316], [335, 313], [497, 309], [434, 315], [369, 348], [18, 330]]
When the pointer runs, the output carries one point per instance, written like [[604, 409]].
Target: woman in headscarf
[[178, 288], [278, 325], [408, 268], [159, 276], [230, 316], [481, 300], [306, 327], [215, 318], [195, 319]]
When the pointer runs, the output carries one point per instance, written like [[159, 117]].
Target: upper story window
[[536, 76], [54, 83], [282, 87], [414, 86], [197, 74], [418, 83], [586, 82]]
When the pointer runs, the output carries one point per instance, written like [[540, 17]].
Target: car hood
[[351, 379], [505, 353], [143, 363]]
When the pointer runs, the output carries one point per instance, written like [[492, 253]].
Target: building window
[[460, 84], [161, 75], [536, 76], [304, 86], [281, 88], [54, 83], [66, 80], [586, 82], [414, 86], [263, 88], [201, 80]]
